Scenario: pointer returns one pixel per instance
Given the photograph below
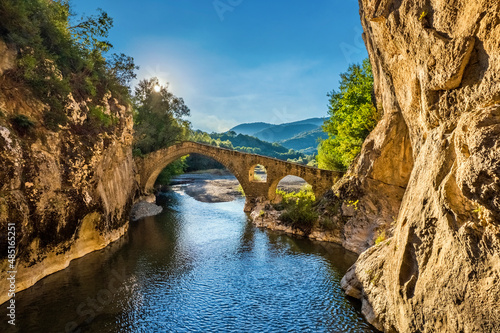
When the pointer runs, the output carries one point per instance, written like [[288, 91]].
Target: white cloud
[[211, 123]]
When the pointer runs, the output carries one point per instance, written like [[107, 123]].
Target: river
[[196, 267]]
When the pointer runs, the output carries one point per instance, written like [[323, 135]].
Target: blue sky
[[236, 61]]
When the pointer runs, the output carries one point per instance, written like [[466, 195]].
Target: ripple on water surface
[[197, 267]]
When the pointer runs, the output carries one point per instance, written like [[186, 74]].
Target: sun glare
[[157, 88]]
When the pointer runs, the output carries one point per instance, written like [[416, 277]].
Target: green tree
[[158, 117], [352, 117], [91, 31], [123, 68]]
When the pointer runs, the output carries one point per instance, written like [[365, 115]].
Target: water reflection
[[196, 267]]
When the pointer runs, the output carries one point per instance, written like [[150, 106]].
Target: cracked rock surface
[[434, 160]]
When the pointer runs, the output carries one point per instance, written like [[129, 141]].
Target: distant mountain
[[248, 144], [314, 121], [305, 142], [298, 135], [250, 128], [283, 132]]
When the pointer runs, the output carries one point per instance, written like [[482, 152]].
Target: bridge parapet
[[240, 165]]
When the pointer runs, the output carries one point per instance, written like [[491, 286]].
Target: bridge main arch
[[240, 165], [156, 161]]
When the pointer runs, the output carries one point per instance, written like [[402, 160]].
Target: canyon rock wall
[[436, 155], [67, 191]]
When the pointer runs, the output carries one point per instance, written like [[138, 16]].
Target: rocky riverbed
[[222, 186]]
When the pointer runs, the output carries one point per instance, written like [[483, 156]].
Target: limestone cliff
[[434, 159], [67, 191]]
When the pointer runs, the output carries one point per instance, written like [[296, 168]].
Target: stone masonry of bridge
[[241, 165]]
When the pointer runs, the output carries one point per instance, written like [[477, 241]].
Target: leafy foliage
[[309, 160], [99, 118], [380, 238], [197, 162], [90, 31], [352, 117], [22, 123], [240, 190], [54, 117], [173, 169], [306, 142], [56, 59], [298, 209], [123, 68], [159, 123], [158, 116]]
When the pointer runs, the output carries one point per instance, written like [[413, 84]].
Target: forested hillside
[[302, 135]]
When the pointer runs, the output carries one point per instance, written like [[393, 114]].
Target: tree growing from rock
[[352, 117]]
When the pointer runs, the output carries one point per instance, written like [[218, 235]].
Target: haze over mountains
[[300, 135]]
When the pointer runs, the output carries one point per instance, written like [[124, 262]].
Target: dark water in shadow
[[197, 267]]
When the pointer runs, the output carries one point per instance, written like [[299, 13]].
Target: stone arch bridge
[[241, 165]]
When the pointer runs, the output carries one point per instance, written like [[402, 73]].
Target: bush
[[327, 223], [298, 211], [22, 123], [54, 117], [380, 238], [136, 152], [99, 118]]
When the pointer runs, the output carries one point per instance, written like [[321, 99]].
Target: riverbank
[[145, 207], [208, 186], [264, 215], [221, 186]]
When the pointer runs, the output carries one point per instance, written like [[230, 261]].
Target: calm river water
[[197, 267]]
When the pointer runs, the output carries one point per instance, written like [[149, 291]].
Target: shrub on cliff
[[23, 124], [352, 117], [56, 58]]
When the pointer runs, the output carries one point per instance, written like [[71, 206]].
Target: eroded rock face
[[68, 192], [437, 77]]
